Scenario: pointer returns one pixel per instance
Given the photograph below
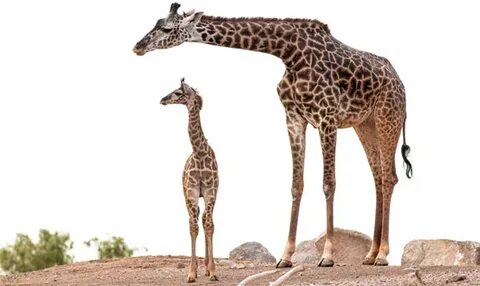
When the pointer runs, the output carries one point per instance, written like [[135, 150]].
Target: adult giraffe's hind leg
[[388, 125], [328, 137], [296, 131], [367, 134]]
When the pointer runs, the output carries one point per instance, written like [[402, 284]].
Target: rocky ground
[[172, 270]]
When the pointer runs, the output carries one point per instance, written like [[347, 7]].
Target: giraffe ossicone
[[327, 84]]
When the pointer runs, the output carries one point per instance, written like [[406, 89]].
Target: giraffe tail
[[405, 152]]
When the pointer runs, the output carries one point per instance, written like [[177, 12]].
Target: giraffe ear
[[189, 13], [191, 19]]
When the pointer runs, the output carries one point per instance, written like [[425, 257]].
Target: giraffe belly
[[340, 118], [346, 119]]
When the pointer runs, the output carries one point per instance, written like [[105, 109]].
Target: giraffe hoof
[[368, 261], [381, 262], [284, 264], [191, 279], [213, 278], [326, 262]]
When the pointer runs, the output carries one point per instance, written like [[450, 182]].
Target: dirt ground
[[172, 270]]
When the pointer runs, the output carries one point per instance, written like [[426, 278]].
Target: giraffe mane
[[268, 20], [199, 102]]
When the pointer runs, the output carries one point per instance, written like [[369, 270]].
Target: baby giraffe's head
[[184, 95]]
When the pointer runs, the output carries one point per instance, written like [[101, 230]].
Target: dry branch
[[256, 276], [287, 275]]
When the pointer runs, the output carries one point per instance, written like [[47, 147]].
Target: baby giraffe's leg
[[206, 260], [208, 227], [192, 206]]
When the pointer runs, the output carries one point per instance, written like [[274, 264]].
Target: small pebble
[[180, 265]]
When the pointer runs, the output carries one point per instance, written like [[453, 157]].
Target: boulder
[[349, 247], [253, 252], [441, 252], [306, 253]]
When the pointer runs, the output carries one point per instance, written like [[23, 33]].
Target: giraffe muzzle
[[164, 100], [138, 50]]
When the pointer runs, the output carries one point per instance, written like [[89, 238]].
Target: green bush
[[24, 255], [114, 247]]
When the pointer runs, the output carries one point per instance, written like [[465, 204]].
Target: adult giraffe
[[327, 84]]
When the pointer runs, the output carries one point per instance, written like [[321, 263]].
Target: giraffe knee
[[297, 190], [296, 194], [193, 224], [329, 189], [206, 221], [194, 231], [193, 227], [209, 229]]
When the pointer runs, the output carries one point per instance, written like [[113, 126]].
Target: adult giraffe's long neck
[[283, 38], [195, 132]]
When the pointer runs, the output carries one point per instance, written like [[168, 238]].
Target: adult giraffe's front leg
[[328, 137], [296, 131], [367, 134]]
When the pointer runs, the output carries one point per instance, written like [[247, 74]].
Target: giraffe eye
[[166, 30]]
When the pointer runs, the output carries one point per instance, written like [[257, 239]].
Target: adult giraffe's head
[[170, 31], [186, 95]]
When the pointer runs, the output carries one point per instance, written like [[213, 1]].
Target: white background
[[85, 147]]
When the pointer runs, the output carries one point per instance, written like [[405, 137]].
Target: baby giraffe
[[200, 177]]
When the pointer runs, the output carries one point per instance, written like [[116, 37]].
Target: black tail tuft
[[405, 151]]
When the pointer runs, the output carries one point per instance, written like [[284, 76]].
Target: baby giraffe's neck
[[198, 140]]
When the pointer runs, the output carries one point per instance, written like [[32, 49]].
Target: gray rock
[[253, 252], [349, 247], [441, 252], [306, 253]]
